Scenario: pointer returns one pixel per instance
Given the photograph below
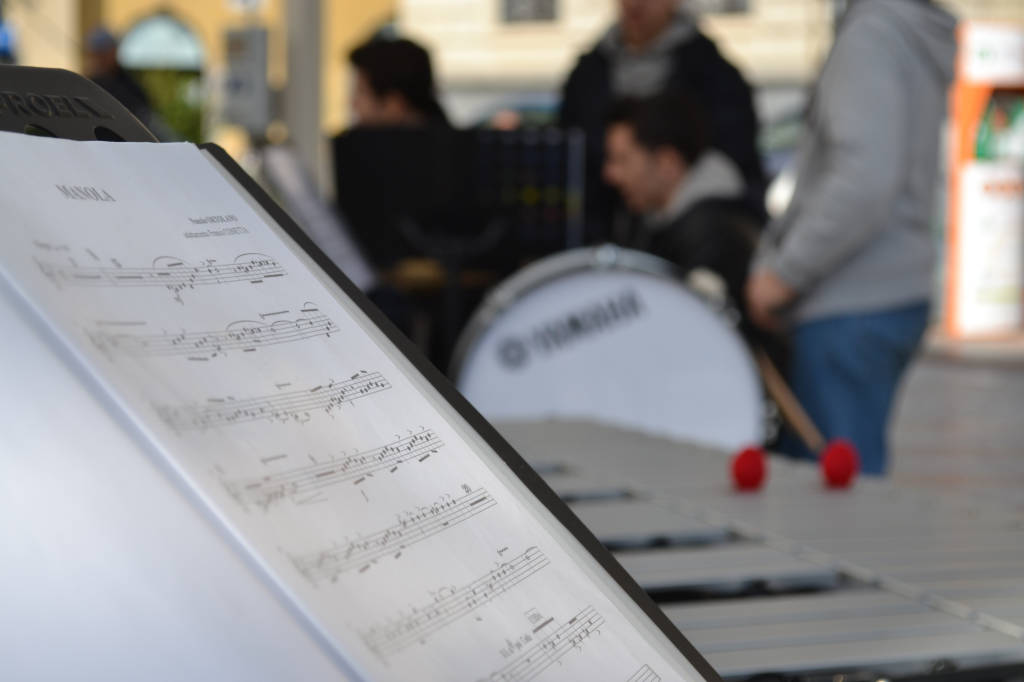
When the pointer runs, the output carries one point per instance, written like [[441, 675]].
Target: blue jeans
[[845, 371]]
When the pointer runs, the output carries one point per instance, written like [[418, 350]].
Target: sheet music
[[556, 644], [405, 540], [127, 338]]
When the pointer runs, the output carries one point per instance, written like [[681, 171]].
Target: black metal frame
[[476, 421]]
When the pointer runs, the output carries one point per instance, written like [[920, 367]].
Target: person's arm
[[865, 119]]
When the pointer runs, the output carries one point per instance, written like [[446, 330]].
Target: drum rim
[[549, 268]]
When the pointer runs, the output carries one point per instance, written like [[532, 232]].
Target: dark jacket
[[715, 234], [701, 72], [128, 92]]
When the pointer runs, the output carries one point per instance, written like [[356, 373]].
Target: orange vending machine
[[985, 239]]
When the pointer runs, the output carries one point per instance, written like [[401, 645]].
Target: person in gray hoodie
[[848, 266]]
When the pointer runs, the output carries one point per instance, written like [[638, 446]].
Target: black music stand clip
[[60, 103]]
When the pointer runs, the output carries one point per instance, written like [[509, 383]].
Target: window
[[515, 11], [160, 42]]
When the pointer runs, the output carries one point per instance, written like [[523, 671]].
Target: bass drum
[[614, 336]]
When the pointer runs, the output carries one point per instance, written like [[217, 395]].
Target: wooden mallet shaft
[[792, 411]]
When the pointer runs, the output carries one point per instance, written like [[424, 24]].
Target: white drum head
[[614, 344]]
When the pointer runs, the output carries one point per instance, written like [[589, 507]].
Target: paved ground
[[960, 423]]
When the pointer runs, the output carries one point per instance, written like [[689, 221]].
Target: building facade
[[487, 50], [53, 32]]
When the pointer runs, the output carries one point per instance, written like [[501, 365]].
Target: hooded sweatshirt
[[712, 176], [856, 236], [644, 73], [705, 224]]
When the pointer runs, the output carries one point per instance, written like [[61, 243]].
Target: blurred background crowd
[[785, 152]]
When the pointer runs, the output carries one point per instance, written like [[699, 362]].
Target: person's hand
[[767, 295]]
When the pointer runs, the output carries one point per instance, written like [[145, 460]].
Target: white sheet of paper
[[371, 503]]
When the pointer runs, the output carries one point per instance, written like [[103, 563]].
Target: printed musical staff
[[452, 603], [286, 406], [645, 674], [168, 272], [550, 650], [242, 335], [412, 527], [306, 482]]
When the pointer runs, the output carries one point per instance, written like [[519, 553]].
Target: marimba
[[880, 581]]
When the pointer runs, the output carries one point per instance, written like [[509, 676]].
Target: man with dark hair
[[691, 196], [655, 48], [395, 177], [385, 164], [394, 85]]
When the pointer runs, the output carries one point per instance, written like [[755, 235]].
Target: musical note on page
[[645, 674], [307, 482], [451, 604], [413, 526], [273, 328], [286, 406], [169, 272], [566, 639]]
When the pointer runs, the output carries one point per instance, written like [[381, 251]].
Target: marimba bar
[[854, 603], [630, 523], [885, 656], [572, 487], [725, 569]]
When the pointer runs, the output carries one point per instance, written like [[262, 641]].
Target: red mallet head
[[749, 469], [839, 463]]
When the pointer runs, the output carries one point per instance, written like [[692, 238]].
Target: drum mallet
[[838, 459], [749, 468]]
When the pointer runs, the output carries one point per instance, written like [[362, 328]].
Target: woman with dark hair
[[394, 85]]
